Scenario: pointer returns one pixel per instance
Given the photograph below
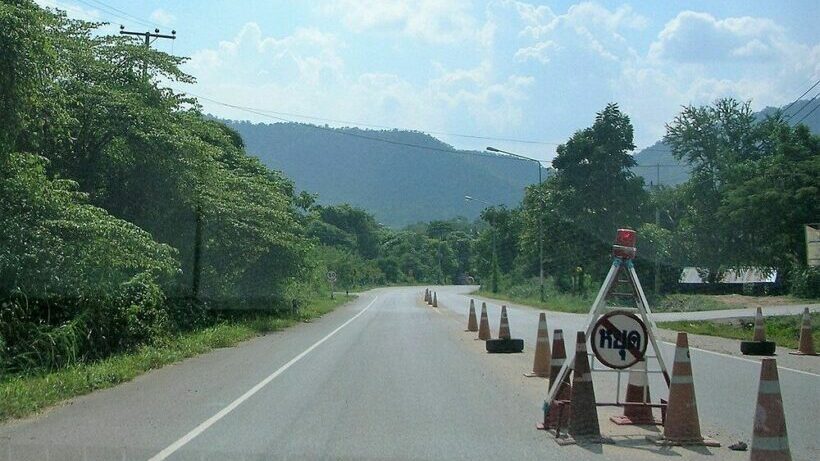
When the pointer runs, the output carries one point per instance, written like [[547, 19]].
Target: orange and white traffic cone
[[760, 326], [637, 392], [559, 355], [427, 298], [769, 439], [806, 346], [583, 421], [426, 294], [504, 325], [472, 324], [682, 426], [435, 300], [484, 324], [541, 361]]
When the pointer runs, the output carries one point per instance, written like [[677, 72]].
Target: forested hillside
[[396, 182]]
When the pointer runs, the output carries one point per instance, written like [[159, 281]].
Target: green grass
[[26, 394], [783, 330], [555, 301], [690, 303], [563, 302]]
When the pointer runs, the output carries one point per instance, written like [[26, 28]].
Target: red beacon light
[[624, 246]]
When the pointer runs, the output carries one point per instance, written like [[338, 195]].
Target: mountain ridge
[[404, 177]]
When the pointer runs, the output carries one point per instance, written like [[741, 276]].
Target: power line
[[125, 13], [798, 98], [277, 115], [810, 112], [386, 127], [355, 135], [803, 107], [115, 13]]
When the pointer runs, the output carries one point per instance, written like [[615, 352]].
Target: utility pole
[[540, 218], [197, 269], [657, 223], [148, 36], [541, 238]]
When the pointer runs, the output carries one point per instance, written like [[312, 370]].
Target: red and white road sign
[[619, 339]]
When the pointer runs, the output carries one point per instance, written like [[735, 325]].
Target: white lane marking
[[171, 449], [747, 360]]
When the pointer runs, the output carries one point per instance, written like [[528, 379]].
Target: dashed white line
[[802, 372], [171, 449]]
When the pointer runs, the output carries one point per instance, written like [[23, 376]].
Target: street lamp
[[494, 276], [540, 218]]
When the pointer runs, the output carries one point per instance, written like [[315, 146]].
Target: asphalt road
[[383, 377]]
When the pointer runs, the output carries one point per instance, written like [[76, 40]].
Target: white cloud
[[311, 53], [700, 37], [491, 103], [588, 24], [698, 58], [304, 72], [163, 17], [433, 21], [539, 52]]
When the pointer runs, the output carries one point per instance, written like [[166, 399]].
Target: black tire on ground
[[757, 347], [504, 346]]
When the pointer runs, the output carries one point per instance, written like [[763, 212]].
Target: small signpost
[[619, 339], [331, 277]]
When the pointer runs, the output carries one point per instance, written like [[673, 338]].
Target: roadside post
[[331, 278]]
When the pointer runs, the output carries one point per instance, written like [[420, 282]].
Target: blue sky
[[505, 69]]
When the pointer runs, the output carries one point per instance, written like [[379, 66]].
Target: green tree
[[592, 193], [715, 140], [770, 197]]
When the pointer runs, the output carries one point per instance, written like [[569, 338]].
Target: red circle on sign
[[629, 355]]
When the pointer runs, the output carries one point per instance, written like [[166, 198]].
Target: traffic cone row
[[682, 426], [583, 421], [637, 393], [484, 324], [770, 441], [806, 346], [504, 325], [559, 356], [472, 324], [541, 361]]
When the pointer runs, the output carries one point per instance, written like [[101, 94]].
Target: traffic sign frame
[[599, 307]]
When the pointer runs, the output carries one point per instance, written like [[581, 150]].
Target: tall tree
[[715, 141], [592, 193]]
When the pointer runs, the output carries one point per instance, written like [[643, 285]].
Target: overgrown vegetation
[[131, 220], [783, 330], [27, 393], [127, 216]]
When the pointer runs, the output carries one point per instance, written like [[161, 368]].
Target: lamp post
[[540, 217], [494, 287]]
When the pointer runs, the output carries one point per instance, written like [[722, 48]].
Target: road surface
[[383, 377]]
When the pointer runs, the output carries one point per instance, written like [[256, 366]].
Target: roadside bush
[[805, 282], [75, 282]]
